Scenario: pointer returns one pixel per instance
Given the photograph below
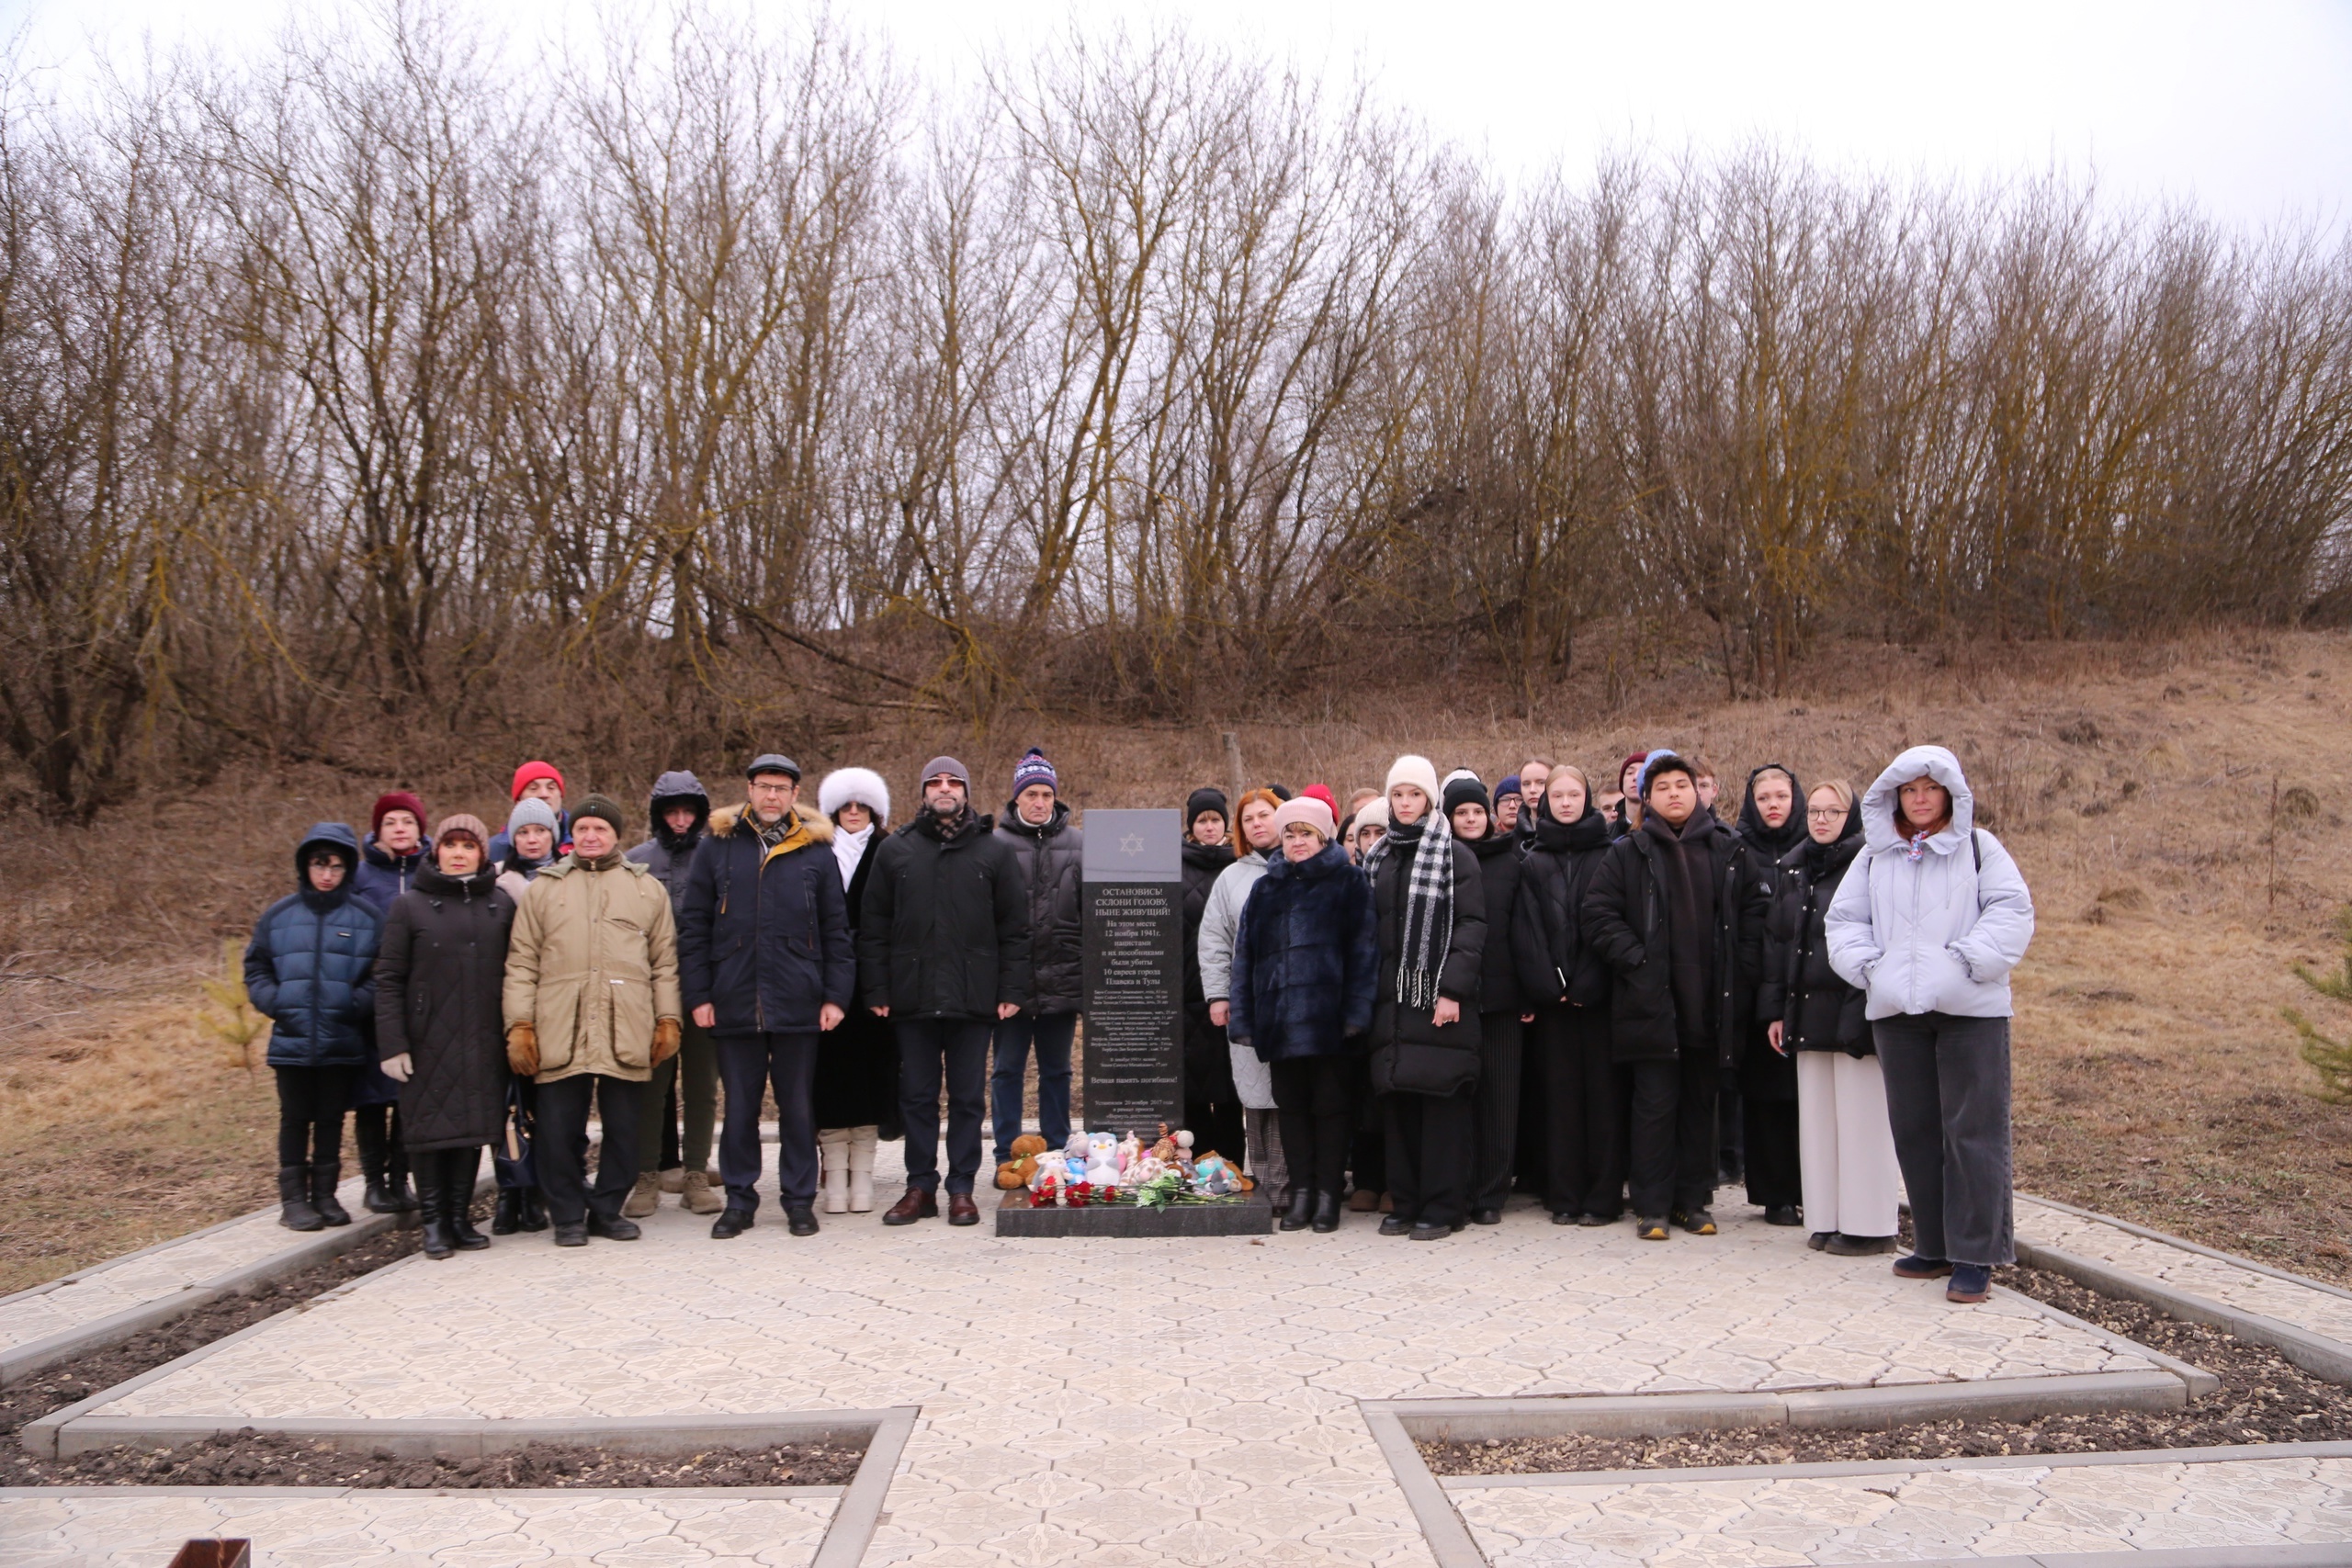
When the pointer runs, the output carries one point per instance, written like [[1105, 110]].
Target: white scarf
[[849, 848]]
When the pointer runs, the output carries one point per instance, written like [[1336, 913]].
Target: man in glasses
[[943, 952]]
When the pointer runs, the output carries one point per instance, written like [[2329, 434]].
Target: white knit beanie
[[861, 785], [1419, 772]]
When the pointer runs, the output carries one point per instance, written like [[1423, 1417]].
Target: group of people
[[1605, 995]]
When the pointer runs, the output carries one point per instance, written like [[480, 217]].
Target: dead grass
[[2155, 1078]]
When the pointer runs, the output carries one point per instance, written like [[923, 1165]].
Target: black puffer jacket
[[1410, 1054], [669, 855], [1052, 860], [1818, 1011], [1626, 920], [439, 979], [1555, 962], [945, 932], [1501, 861]]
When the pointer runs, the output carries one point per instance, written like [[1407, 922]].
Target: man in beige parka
[[591, 1008]]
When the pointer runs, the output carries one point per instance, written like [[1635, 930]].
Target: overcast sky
[[2244, 108]]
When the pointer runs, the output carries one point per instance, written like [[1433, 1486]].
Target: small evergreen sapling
[[2330, 1057]]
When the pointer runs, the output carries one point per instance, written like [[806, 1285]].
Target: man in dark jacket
[[943, 952], [680, 810], [1681, 929], [765, 963], [308, 971], [1051, 855]]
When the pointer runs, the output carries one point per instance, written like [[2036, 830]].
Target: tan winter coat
[[593, 962]]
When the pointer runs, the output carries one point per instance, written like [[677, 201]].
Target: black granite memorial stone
[[1134, 1054]]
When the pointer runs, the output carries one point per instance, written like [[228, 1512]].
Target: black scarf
[[1689, 862], [439, 884], [951, 829], [1590, 831]]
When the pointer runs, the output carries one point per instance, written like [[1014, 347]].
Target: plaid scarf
[[1429, 904]]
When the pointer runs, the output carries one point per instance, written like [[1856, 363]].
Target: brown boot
[[643, 1198], [701, 1196], [917, 1204]]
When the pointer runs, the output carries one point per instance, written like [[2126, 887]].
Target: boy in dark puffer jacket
[[308, 970]]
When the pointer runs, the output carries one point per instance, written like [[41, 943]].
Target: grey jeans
[[1948, 1097]]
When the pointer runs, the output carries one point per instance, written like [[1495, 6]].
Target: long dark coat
[[857, 1064], [439, 979], [1209, 1056], [1625, 920], [1501, 865], [1555, 962], [1818, 1011], [1410, 1055], [1052, 860]]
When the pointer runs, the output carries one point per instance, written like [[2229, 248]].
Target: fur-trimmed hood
[[727, 819]]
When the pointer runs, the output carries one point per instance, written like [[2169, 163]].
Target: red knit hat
[[1322, 792], [532, 772], [399, 800]]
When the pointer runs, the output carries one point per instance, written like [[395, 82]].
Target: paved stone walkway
[[2303, 1303], [1101, 1401], [491, 1529], [171, 1269], [2004, 1510]]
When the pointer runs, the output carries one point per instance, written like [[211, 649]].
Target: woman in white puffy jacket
[[1929, 922]]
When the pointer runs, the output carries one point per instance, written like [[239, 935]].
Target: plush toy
[[1130, 1149], [1050, 1179], [1103, 1167], [1212, 1174], [1015, 1172]]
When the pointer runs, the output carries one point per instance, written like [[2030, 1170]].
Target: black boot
[[507, 1217], [324, 1181], [1302, 1208], [437, 1241], [375, 1151], [295, 1211], [405, 1201], [1326, 1212], [534, 1216], [461, 1168]]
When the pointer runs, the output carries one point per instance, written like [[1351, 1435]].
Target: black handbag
[[511, 1156]]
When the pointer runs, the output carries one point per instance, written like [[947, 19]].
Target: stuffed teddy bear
[[1015, 1172]]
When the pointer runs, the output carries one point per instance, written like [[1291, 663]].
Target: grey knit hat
[[948, 766], [533, 812]]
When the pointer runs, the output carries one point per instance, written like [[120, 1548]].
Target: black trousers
[[1731, 1124], [1774, 1176], [1948, 1098], [1531, 1161], [560, 1151], [1368, 1155], [958, 1050], [748, 1066], [1431, 1143], [1217, 1124], [1496, 1114], [1315, 1105], [1587, 1104], [1673, 1136], [310, 1104]]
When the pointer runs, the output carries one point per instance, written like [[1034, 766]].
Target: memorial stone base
[[1252, 1215]]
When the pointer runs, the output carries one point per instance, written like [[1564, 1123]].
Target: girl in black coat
[[1771, 823], [1432, 907], [1561, 974], [1846, 1147], [439, 1028], [1495, 1107]]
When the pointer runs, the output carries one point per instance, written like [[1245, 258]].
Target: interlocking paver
[[1117, 1401]]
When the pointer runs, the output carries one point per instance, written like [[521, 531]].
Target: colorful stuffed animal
[[1015, 1172], [1103, 1160], [1050, 1179]]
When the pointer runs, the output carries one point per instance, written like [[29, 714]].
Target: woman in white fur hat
[[856, 1091]]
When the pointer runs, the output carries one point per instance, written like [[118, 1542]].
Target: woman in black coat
[[1846, 1146], [1585, 1095], [440, 1032], [1432, 908], [1771, 823], [855, 1094], [1495, 1107]]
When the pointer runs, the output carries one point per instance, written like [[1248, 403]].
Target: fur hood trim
[[727, 819]]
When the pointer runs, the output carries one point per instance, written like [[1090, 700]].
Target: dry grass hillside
[[2155, 1078]]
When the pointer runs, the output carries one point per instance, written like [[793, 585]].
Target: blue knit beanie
[[1032, 769]]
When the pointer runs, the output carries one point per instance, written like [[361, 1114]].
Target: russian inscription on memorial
[[1134, 983]]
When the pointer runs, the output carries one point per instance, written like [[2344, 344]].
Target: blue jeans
[[1051, 1033]]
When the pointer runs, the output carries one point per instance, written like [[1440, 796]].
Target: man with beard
[[943, 952]]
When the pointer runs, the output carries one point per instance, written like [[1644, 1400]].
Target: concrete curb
[[42, 1436], [2199, 1381], [2315, 1353], [1449, 1539], [1666, 1414], [2332, 1555], [563, 1494], [1834, 1467], [2148, 1234], [309, 1247], [471, 1436], [859, 1513]]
